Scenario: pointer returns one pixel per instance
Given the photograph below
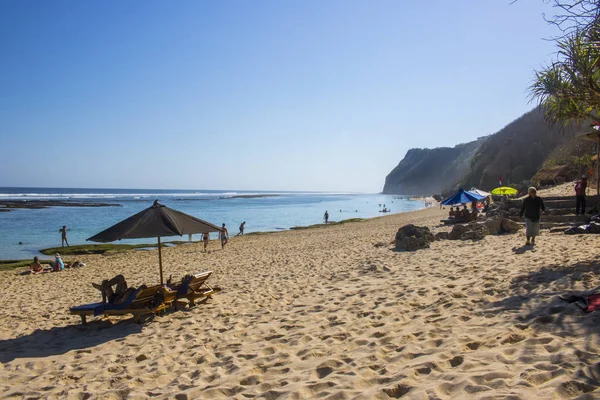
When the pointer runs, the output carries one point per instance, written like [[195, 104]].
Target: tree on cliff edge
[[569, 87]]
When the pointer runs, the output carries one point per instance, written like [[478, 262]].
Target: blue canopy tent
[[462, 197]]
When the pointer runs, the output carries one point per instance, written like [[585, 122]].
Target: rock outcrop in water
[[7, 205]]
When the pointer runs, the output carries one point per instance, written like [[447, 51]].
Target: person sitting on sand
[[474, 214], [35, 267], [465, 214], [58, 264], [117, 296], [451, 214]]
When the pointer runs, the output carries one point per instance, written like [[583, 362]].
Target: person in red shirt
[[580, 188]]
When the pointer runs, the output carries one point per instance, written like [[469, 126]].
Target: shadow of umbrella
[[156, 221], [60, 340]]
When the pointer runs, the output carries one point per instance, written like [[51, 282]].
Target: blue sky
[[274, 95]]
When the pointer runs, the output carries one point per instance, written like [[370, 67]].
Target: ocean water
[[38, 228]]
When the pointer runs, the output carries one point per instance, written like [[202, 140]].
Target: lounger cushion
[[100, 308]]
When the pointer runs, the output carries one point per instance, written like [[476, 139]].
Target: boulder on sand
[[478, 230], [457, 231], [441, 236], [510, 226], [411, 238], [473, 231], [494, 225]]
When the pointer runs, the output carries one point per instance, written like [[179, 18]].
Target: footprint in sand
[[398, 391], [456, 361], [473, 345]]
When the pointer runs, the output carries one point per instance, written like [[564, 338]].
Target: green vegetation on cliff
[[429, 171], [515, 153]]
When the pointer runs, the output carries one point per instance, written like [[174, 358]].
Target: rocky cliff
[[428, 171], [515, 153]]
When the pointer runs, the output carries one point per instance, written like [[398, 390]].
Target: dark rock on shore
[[411, 238], [510, 226], [479, 229], [472, 231], [442, 236]]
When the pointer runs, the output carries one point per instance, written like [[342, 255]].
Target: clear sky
[[275, 95]]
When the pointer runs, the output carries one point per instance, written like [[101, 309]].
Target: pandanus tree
[[568, 89]]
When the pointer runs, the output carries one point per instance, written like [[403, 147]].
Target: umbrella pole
[[160, 262]]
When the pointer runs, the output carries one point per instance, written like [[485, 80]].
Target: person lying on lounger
[[117, 296]]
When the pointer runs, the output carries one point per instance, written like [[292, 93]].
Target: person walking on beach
[[533, 207], [242, 227], [205, 237], [224, 236], [326, 216], [63, 233], [580, 189]]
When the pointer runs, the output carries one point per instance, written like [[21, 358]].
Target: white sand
[[319, 313]]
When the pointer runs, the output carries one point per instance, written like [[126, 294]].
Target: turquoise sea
[[269, 211]]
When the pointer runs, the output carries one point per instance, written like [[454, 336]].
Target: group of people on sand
[[464, 215], [56, 266]]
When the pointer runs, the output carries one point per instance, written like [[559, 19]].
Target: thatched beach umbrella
[[156, 221]]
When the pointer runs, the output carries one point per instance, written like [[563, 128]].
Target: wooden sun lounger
[[197, 288], [138, 304]]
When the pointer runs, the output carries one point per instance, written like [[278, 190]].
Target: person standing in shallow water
[[224, 236], [326, 216], [533, 207], [63, 233]]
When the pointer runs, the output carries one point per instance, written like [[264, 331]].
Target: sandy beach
[[319, 313]]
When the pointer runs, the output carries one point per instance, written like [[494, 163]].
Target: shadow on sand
[[522, 249], [533, 302], [547, 283], [59, 340]]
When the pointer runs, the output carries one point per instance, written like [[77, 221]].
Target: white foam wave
[[141, 196]]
